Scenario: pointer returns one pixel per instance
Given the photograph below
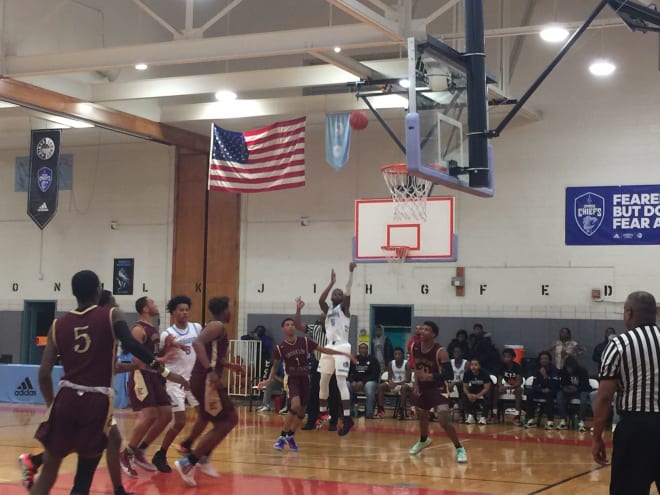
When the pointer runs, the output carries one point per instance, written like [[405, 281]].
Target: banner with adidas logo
[[44, 187]]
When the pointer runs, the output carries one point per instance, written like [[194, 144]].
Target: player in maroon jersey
[[432, 370], [211, 348], [294, 350], [148, 394], [79, 415]]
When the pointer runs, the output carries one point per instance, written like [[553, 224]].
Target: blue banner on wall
[[613, 215]]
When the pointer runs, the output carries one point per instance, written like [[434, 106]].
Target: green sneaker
[[419, 446], [461, 455]]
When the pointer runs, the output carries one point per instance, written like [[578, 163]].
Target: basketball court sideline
[[373, 460]]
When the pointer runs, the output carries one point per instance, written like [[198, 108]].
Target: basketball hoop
[[409, 192], [396, 254]]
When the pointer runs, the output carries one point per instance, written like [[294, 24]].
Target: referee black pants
[[636, 454]]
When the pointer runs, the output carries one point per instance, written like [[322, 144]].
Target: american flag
[[265, 159]]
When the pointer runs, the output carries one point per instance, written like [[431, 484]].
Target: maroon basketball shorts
[[299, 387], [76, 422], [156, 391], [198, 388]]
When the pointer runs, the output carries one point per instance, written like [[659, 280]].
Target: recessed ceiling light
[[554, 33], [602, 68], [141, 66], [337, 49], [225, 95], [85, 108], [404, 83]]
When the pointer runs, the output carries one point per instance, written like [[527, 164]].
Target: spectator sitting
[[459, 365], [381, 348], [509, 380], [488, 356], [610, 333], [275, 387], [546, 384], [399, 374], [564, 347], [461, 340], [364, 377], [574, 385], [476, 385]]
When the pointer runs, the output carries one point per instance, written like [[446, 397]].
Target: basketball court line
[[566, 480]]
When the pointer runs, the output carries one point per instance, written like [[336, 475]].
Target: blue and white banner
[[337, 139], [611, 215], [44, 176]]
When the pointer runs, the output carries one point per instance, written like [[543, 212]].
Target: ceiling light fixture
[[602, 68], [404, 83], [337, 49], [141, 66], [554, 33], [225, 95]]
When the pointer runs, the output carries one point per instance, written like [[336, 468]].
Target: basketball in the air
[[358, 120]]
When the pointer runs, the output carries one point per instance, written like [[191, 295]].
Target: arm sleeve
[[129, 344], [610, 367], [447, 371]]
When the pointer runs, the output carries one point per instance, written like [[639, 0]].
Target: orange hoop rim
[[395, 169], [400, 251]]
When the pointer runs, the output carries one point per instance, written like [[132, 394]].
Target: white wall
[[592, 133], [131, 184]]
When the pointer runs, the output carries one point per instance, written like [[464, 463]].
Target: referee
[[631, 362]]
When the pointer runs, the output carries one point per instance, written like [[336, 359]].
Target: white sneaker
[[613, 428], [581, 427], [284, 410], [264, 409], [461, 455], [562, 425], [531, 423], [549, 425], [470, 420], [186, 471], [483, 421], [206, 467]]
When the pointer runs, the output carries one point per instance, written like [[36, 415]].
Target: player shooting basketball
[[337, 323]]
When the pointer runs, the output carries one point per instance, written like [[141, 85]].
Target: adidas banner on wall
[[609, 215], [44, 184]]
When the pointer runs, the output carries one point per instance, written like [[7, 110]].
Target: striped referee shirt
[[633, 358], [318, 335]]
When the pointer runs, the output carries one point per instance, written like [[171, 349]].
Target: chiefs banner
[[43, 188]]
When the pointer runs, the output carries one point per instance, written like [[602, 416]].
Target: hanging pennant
[[44, 184], [337, 139]]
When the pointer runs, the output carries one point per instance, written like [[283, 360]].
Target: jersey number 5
[[80, 333]]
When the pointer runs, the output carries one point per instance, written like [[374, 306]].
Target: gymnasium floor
[[372, 460]]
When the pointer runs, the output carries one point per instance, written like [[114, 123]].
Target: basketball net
[[395, 254], [408, 192]]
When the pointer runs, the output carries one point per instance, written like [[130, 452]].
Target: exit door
[[37, 318]]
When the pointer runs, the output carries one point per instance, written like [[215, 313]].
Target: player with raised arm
[[79, 416], [205, 382], [432, 370], [337, 323], [293, 351]]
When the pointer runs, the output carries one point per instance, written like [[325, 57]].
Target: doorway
[[396, 320], [37, 318]]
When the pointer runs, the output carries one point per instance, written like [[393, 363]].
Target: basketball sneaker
[[183, 449], [280, 444], [419, 446], [482, 420], [346, 426], [291, 442], [531, 423], [206, 467], [470, 420], [160, 462], [187, 471], [562, 425], [581, 427], [461, 455], [140, 459], [380, 414], [126, 463], [550, 425], [28, 471], [516, 421], [264, 409], [321, 421]]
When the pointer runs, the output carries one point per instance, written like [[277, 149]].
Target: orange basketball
[[358, 120]]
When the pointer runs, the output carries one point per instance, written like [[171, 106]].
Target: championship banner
[[613, 215], [337, 139], [44, 184]]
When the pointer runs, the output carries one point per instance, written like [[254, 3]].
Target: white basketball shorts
[[339, 365], [178, 397]]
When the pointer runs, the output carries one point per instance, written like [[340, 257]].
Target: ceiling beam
[[43, 100], [347, 64], [219, 15], [441, 11], [154, 15], [367, 16], [243, 46]]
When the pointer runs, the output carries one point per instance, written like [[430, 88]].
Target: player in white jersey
[[337, 323], [181, 334], [399, 377]]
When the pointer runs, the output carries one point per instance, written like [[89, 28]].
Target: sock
[[283, 433], [323, 409], [289, 433], [347, 412], [37, 460], [458, 445], [142, 446], [423, 438], [186, 443], [193, 459]]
